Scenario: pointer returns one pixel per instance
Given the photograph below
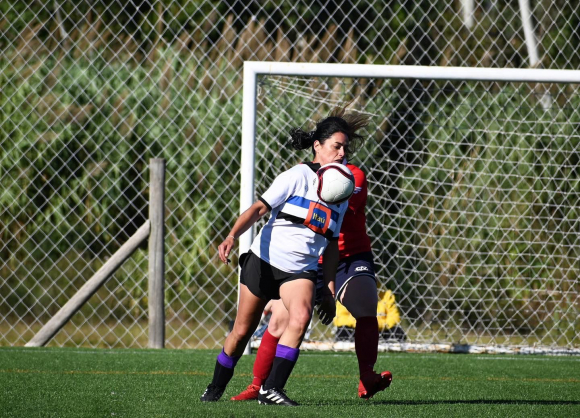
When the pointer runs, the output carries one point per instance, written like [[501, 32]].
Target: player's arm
[[330, 264], [327, 309], [358, 200], [243, 223], [282, 187]]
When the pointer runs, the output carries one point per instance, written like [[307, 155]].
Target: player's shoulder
[[301, 167], [298, 169], [298, 173], [356, 171], [353, 167]]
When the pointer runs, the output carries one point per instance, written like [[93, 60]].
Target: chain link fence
[[91, 90]]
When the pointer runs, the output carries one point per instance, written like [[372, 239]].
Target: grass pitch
[[61, 382]]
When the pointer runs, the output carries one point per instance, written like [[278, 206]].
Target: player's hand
[[327, 309], [268, 307], [225, 248]]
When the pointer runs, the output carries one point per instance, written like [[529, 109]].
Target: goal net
[[473, 206]]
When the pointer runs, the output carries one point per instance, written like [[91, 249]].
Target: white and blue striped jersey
[[300, 224]]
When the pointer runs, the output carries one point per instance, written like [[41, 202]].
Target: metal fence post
[[157, 254]]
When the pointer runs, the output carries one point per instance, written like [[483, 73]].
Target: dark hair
[[337, 121]]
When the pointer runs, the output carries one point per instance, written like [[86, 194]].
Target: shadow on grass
[[445, 402], [482, 402]]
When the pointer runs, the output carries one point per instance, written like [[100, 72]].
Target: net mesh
[[473, 197]]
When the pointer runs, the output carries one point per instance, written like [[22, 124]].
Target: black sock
[[280, 373], [224, 369], [222, 375]]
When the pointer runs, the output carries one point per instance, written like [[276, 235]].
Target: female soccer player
[[357, 291], [282, 262]]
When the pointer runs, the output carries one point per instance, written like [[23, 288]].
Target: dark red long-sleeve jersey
[[353, 237]]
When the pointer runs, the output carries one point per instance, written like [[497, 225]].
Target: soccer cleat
[[274, 397], [249, 394], [373, 384], [212, 393]]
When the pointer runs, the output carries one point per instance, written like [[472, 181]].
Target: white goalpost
[[474, 189]]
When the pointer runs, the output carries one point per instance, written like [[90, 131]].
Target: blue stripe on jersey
[[305, 203], [299, 201]]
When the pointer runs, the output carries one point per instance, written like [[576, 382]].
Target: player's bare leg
[[266, 351], [298, 298], [249, 312]]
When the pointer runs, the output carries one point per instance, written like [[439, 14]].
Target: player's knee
[[241, 331], [360, 297], [361, 307], [300, 318], [361, 311], [277, 326]]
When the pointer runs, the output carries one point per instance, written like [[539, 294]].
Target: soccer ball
[[335, 183]]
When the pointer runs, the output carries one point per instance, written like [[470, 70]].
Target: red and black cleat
[[373, 384]]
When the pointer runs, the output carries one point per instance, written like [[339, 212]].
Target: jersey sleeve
[[281, 189], [358, 200]]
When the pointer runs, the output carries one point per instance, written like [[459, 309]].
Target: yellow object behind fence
[[387, 313]]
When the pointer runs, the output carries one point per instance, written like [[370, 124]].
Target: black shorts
[[264, 280], [360, 264]]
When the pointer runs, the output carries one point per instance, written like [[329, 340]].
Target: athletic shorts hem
[[339, 292], [360, 264], [264, 280]]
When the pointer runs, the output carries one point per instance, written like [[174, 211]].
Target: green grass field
[[61, 382]]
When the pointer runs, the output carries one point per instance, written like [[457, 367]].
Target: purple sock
[[288, 353], [227, 361]]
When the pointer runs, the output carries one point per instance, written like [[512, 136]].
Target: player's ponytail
[[337, 121], [354, 123], [300, 139]]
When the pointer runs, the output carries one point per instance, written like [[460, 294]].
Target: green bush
[[77, 136]]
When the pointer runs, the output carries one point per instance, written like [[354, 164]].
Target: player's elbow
[[260, 209]]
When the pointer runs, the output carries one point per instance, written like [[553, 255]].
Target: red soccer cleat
[[248, 394], [373, 384]]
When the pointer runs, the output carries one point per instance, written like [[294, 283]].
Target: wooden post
[[89, 288], [157, 254]]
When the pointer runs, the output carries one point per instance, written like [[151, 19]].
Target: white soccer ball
[[335, 183]]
